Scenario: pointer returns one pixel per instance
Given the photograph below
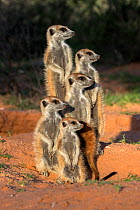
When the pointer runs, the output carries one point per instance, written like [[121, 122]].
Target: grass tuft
[[131, 177], [122, 99], [6, 156]]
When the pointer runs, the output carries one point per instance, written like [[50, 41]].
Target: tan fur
[[50, 88], [77, 96], [46, 132], [64, 160], [83, 65], [57, 60]]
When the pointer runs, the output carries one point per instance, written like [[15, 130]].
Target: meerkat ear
[[79, 56], [64, 124], [51, 31], [44, 103], [71, 81]]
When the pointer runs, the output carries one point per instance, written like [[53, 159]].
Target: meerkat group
[[66, 137]]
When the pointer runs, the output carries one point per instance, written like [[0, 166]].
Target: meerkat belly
[[46, 153], [70, 149], [60, 60], [50, 128], [81, 109], [59, 57], [60, 89]]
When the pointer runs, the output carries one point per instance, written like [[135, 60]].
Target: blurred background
[[109, 27]]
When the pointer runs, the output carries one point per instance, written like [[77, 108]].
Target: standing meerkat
[[83, 60], [46, 133], [57, 60], [78, 97], [75, 96], [70, 159]]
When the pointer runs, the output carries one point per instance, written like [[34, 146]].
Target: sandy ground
[[22, 187]]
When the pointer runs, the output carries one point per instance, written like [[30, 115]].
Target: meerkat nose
[[65, 103], [98, 56], [73, 33]]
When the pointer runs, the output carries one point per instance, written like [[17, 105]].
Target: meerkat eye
[[74, 123], [89, 53], [82, 78], [79, 56], [55, 101], [64, 124], [44, 103], [51, 31], [63, 29], [71, 81]]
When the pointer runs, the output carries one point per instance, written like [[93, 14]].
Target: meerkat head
[[86, 56], [79, 80], [52, 103], [71, 124], [59, 32]]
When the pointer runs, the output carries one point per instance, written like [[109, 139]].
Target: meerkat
[[57, 60], [83, 60], [46, 133], [75, 96], [70, 159]]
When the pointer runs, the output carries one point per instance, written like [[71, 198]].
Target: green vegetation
[[131, 177], [28, 176], [20, 190], [123, 140], [129, 113], [22, 103], [117, 184], [23, 27], [122, 99], [2, 141], [10, 132], [123, 76], [118, 187], [23, 183], [6, 156], [136, 143], [3, 166]]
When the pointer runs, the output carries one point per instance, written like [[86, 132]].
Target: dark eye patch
[[82, 78], [89, 53], [64, 124], [44, 103], [55, 101], [73, 122], [71, 81], [51, 31], [63, 29], [79, 56]]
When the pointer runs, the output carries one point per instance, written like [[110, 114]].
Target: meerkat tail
[[93, 165], [100, 110]]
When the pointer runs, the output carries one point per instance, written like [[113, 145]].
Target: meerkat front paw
[[60, 181], [45, 173], [73, 167]]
